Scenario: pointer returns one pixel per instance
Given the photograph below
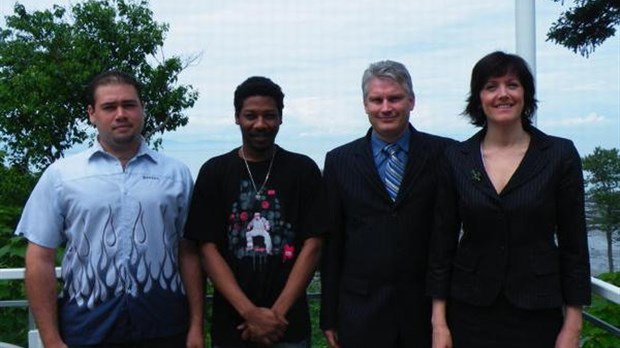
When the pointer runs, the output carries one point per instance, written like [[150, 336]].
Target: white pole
[[525, 29]]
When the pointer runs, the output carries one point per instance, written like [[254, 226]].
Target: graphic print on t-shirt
[[257, 228]]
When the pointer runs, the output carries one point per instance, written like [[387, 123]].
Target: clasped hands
[[263, 325]]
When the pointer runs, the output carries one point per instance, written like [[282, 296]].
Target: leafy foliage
[[15, 187], [587, 25], [13, 320], [594, 337], [47, 59], [603, 192], [14, 190]]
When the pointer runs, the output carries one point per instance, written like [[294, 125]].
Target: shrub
[[592, 336]]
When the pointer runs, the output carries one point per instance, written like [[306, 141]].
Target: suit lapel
[[533, 161], [473, 166], [365, 166], [416, 161]]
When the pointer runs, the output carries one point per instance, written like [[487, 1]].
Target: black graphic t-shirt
[[259, 235]]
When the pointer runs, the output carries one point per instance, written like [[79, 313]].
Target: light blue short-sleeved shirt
[[121, 230]]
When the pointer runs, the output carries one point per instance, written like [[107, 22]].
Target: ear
[[366, 107], [365, 101], [91, 115], [236, 118], [412, 103]]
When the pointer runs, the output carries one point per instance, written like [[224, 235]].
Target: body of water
[[598, 253]]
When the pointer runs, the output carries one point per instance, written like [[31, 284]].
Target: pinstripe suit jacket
[[375, 260], [529, 241]]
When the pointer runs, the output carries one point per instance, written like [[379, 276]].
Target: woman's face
[[502, 99]]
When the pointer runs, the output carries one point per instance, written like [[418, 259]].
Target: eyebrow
[[124, 101]]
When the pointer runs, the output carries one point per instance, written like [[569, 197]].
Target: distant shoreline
[[598, 253]]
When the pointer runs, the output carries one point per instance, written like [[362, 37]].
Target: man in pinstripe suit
[[374, 266]]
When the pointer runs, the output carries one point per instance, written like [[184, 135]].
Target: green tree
[[603, 194], [48, 57], [14, 190], [587, 25]]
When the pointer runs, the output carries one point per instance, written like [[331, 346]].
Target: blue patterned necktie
[[394, 170]]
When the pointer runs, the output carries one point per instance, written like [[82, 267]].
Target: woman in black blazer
[[509, 264]]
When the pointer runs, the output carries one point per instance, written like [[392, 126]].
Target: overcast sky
[[317, 51]]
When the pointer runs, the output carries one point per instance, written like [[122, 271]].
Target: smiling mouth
[[261, 139], [261, 136], [387, 117]]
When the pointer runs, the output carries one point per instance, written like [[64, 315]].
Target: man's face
[[118, 115], [388, 106], [259, 120]]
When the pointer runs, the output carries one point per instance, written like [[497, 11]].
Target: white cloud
[[590, 119]]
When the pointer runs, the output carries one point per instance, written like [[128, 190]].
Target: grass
[[314, 302], [318, 340]]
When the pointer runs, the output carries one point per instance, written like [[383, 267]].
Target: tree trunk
[[610, 254]]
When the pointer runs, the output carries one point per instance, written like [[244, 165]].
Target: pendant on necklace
[[258, 191]]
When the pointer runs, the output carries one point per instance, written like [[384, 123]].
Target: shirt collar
[[378, 144], [143, 151]]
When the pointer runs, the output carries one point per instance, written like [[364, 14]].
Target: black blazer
[[375, 259], [528, 242]]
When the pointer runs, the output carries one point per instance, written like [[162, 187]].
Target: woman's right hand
[[442, 337]]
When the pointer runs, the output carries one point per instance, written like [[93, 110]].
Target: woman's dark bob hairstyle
[[498, 64]]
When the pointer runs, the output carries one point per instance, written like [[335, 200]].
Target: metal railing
[[599, 287], [609, 292], [34, 341]]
